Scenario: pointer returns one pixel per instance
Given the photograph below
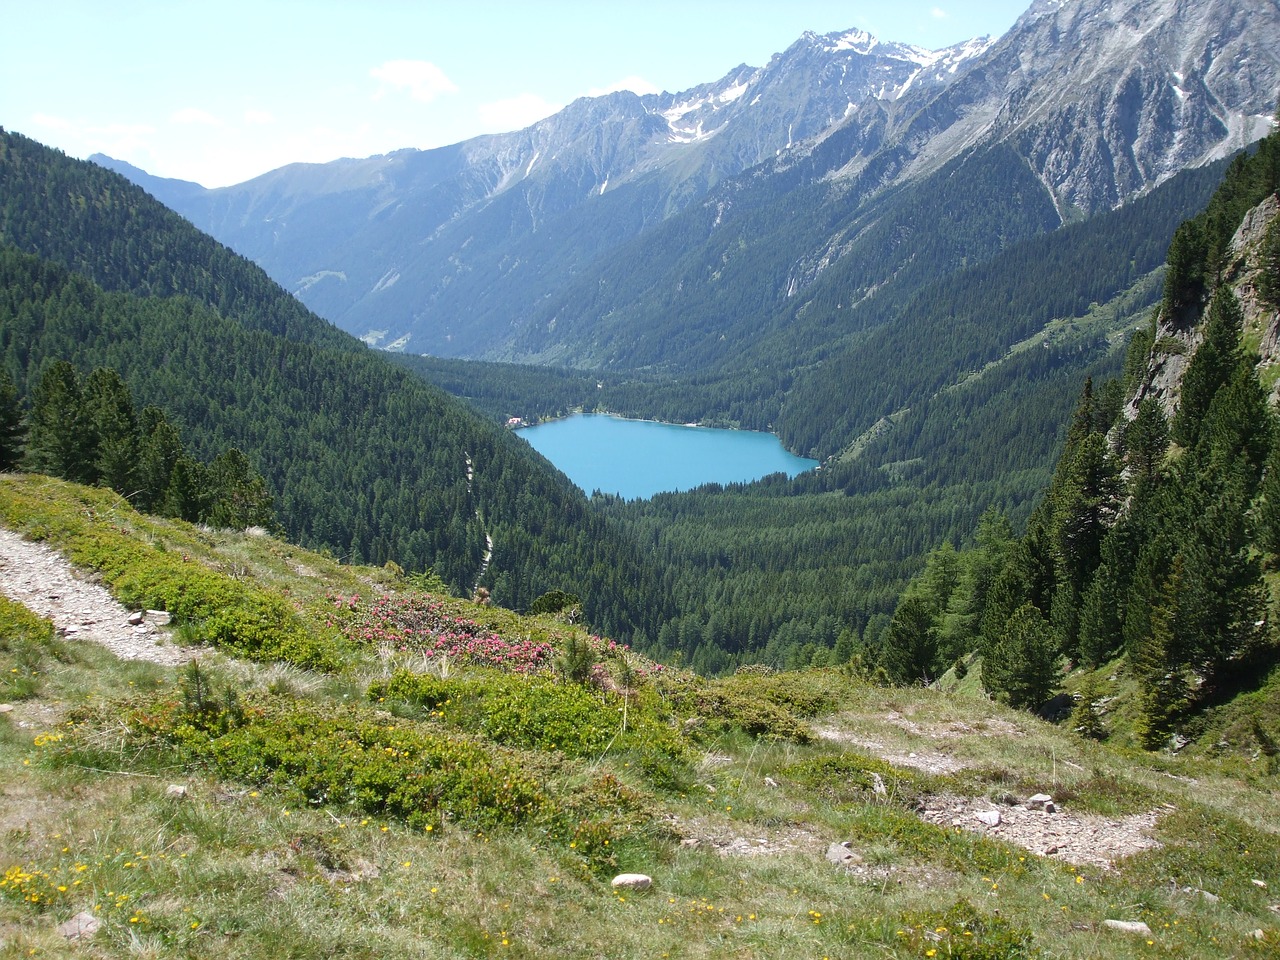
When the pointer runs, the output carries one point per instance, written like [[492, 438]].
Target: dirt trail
[[41, 579]]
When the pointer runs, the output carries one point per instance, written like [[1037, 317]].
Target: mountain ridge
[[451, 251]]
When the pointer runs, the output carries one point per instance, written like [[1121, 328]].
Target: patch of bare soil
[[702, 832], [926, 760], [1076, 838], [42, 580]]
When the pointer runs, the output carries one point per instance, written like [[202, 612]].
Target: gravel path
[[41, 579]]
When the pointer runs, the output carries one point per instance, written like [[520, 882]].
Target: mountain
[[361, 240], [362, 458], [471, 250]]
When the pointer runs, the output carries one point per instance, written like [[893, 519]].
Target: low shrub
[[720, 706], [424, 625], [26, 643], [852, 778], [348, 757], [541, 713]]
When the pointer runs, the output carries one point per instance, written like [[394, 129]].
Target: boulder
[[1128, 926], [842, 853], [631, 881]]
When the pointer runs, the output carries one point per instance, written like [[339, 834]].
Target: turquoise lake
[[638, 458]]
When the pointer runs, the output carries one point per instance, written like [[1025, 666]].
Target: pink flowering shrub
[[422, 625]]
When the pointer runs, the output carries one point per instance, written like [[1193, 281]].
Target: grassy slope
[[258, 865]]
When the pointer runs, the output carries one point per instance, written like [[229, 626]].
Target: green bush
[[349, 757], [851, 778], [539, 713], [26, 643], [732, 704]]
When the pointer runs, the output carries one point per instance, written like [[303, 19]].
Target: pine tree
[[910, 651], [1083, 502], [1184, 282], [159, 450], [1146, 439], [115, 427], [1269, 272], [187, 495], [237, 496], [1162, 690], [1267, 507], [1100, 632], [1238, 423], [1086, 719], [1212, 365]]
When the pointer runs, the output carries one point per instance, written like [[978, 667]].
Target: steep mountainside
[[393, 244], [362, 458], [1154, 540]]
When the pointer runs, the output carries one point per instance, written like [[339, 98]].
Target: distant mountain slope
[[363, 458], [461, 251]]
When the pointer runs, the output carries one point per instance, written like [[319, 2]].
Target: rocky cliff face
[[1105, 98], [1176, 341]]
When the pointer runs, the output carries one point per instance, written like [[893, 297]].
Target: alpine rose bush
[[422, 625]]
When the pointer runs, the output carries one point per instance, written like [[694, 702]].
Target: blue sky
[[221, 92]]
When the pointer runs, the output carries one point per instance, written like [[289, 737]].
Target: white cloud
[[515, 113], [259, 118], [938, 13], [424, 81], [194, 115], [633, 83]]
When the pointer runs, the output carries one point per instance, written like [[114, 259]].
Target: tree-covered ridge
[[361, 457], [1152, 539], [99, 225]]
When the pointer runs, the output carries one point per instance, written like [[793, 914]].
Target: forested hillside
[[1154, 541], [361, 457]]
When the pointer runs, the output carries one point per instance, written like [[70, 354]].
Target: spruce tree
[[1021, 667], [60, 441]]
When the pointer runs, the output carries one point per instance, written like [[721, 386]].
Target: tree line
[[89, 431]]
